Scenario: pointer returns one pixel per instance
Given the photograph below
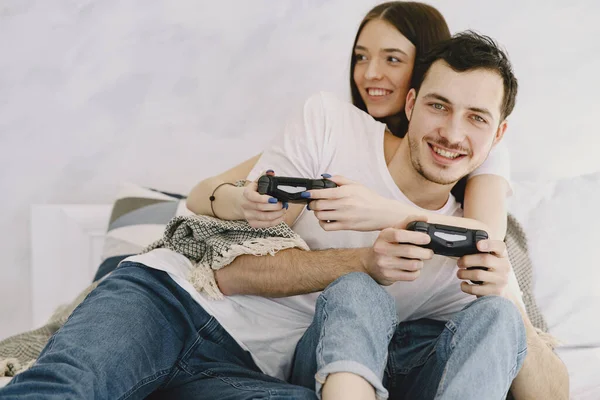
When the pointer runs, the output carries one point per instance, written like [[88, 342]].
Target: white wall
[[166, 92]]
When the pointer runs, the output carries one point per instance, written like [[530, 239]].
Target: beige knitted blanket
[[212, 244]]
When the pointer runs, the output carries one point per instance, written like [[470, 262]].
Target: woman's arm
[[484, 207], [198, 200], [354, 207], [485, 201]]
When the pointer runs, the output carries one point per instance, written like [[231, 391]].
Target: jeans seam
[[319, 350], [182, 362], [144, 382], [514, 368], [232, 382], [451, 344]]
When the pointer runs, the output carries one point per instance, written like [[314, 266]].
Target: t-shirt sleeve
[[497, 163], [297, 151]]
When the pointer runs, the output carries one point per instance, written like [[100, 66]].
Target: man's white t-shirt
[[327, 136]]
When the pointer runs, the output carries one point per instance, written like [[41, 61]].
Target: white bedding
[[561, 219], [556, 216], [584, 372]]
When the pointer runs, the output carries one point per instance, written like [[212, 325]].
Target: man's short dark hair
[[467, 51]]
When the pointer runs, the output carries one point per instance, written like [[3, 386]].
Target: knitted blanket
[[212, 244]]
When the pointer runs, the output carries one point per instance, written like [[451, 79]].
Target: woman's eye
[[360, 57], [393, 59]]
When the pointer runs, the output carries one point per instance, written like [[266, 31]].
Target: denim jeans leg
[[483, 348], [474, 355], [353, 324]]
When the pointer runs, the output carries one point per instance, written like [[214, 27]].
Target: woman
[[389, 40]]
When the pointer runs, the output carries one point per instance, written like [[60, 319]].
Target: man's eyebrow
[[388, 50], [480, 110], [484, 111], [437, 97]]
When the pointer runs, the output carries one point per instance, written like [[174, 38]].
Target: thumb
[[411, 218]]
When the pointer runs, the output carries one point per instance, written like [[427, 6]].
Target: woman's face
[[384, 66]]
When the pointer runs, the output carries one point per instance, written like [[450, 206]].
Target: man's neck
[[416, 188]]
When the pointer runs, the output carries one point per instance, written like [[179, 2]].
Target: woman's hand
[[352, 206], [261, 210]]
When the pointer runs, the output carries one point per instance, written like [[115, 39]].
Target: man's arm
[[289, 272], [543, 375]]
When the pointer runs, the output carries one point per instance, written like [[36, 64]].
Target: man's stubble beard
[[439, 179]]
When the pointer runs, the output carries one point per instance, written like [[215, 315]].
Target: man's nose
[[453, 130]]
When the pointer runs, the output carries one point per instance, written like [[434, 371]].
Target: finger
[[402, 250], [251, 193], [409, 265], [340, 180], [396, 275], [332, 226], [479, 275], [490, 261], [327, 215], [476, 290], [416, 218], [268, 207], [330, 193], [393, 235], [497, 247], [321, 205]]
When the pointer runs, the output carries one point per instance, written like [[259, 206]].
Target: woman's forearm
[[436, 218], [485, 201], [225, 204], [226, 199]]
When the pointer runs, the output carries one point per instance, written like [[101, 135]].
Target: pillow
[[516, 244], [138, 218], [561, 219]]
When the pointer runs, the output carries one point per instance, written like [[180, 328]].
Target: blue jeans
[[474, 355], [140, 335]]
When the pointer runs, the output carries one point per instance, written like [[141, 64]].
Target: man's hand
[[395, 255], [352, 206], [495, 279]]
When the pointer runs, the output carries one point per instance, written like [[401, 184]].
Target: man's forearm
[[289, 272], [543, 375]]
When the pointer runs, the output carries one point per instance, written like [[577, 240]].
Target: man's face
[[454, 121]]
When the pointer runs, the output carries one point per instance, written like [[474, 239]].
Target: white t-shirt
[[327, 136]]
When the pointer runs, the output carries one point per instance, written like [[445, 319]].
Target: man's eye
[[478, 118], [438, 106]]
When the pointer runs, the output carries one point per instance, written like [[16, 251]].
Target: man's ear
[[409, 105], [500, 132]]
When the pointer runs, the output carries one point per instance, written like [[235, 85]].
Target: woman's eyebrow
[[388, 50], [394, 50]]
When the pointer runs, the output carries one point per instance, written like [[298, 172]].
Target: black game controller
[[450, 241], [276, 186]]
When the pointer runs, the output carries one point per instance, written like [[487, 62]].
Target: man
[[144, 331]]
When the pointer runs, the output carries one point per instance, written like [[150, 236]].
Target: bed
[[68, 240]]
